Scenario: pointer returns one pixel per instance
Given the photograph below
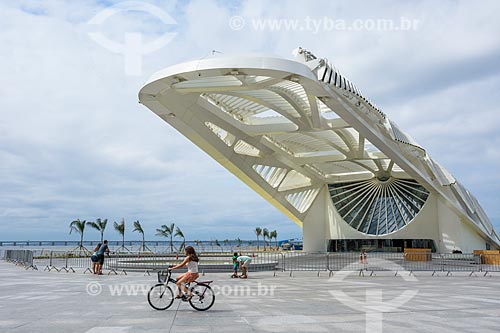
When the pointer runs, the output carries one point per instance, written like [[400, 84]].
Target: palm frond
[[94, 225], [178, 233], [120, 227], [77, 226], [138, 227], [103, 224]]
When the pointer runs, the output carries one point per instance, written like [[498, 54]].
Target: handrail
[[269, 261]]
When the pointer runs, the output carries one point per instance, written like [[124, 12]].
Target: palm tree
[[178, 233], [79, 227], [165, 231], [238, 240], [120, 227], [138, 228], [274, 234], [258, 232], [265, 234], [99, 225]]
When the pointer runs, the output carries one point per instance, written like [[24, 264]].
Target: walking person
[[245, 262], [191, 261], [100, 254]]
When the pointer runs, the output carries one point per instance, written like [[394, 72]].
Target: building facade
[[306, 139]]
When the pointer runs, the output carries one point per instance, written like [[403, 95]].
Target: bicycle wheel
[[203, 297], [160, 296]]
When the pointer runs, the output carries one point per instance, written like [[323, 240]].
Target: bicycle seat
[[204, 282]]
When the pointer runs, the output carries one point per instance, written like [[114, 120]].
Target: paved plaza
[[37, 301]]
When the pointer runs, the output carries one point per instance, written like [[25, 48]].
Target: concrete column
[[315, 223]]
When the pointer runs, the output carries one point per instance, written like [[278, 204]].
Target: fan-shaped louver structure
[[310, 142], [378, 207]]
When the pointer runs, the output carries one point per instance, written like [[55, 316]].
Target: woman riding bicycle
[[191, 261]]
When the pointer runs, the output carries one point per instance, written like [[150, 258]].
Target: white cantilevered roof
[[288, 127]]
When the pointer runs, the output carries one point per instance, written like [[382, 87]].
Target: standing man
[[244, 263], [100, 255]]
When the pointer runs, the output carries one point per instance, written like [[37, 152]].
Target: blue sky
[[75, 143]]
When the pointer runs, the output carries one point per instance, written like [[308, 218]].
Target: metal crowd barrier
[[20, 257], [489, 263], [265, 261], [150, 262]]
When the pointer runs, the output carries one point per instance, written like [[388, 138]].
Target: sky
[[76, 144]]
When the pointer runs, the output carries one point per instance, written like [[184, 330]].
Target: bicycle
[[161, 296]]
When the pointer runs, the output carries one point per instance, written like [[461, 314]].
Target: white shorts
[[246, 263]]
